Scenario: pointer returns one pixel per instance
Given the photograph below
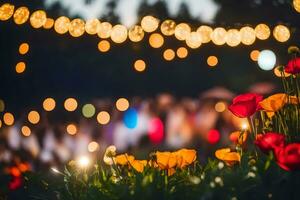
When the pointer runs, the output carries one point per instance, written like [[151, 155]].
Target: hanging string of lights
[[246, 35]]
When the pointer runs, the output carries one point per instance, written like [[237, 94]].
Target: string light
[[156, 40], [212, 61], [0, 123], [218, 36], [23, 48], [71, 129], [20, 67], [88, 110], [136, 33], [33, 117], [149, 23], [104, 46], [49, 104], [296, 4], [220, 107], [92, 26], [139, 65], [169, 54], [281, 33], [103, 117], [182, 31], [77, 27], [193, 40], [266, 59], [61, 25], [182, 52], [118, 33], [70, 104], [248, 35], [254, 55], [49, 23], [38, 19], [262, 31], [21, 15], [93, 146], [104, 30], [26, 131], [205, 32], [122, 104], [168, 27], [6, 11], [8, 119], [233, 37]]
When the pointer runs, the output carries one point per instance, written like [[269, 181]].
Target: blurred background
[[66, 96]]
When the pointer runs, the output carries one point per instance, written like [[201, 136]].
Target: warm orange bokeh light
[[70, 104], [26, 131], [182, 52], [139, 65], [212, 61], [49, 23], [93, 146], [156, 40], [254, 55], [33, 117], [8, 119], [122, 104], [104, 46], [220, 107], [49, 104], [0, 123], [71, 129], [169, 54], [103, 117], [20, 67], [23, 48]]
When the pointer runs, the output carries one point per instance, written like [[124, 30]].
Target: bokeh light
[[205, 32], [182, 52], [93, 146], [8, 119], [212, 61], [262, 31], [156, 131], [83, 162], [20, 67], [104, 30], [49, 23], [139, 65], [136, 33], [220, 106], [193, 40], [0, 123], [218, 36], [248, 35], [169, 54], [70, 104], [149, 23], [6, 11], [266, 60], [92, 26], [233, 37], [71, 129], [38, 19], [62, 24], [103, 117], [281, 33], [2, 105], [168, 27], [77, 27], [182, 31], [49, 104], [104, 46], [254, 55], [23, 48], [156, 40], [279, 72], [213, 136], [21, 15], [296, 4], [26, 131], [118, 33], [88, 110], [33, 117], [130, 118], [122, 104]]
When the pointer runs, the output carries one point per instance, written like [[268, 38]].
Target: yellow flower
[[138, 165], [274, 103], [166, 160], [124, 159], [238, 138], [185, 157], [230, 158]]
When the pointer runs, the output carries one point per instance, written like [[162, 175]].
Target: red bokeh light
[[213, 136], [156, 130]]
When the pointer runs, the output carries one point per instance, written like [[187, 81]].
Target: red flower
[[270, 141], [245, 105], [293, 66], [288, 157]]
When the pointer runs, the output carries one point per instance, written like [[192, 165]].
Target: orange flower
[[185, 157], [230, 158], [294, 100], [238, 137], [171, 171], [138, 165], [124, 159], [274, 103], [166, 160]]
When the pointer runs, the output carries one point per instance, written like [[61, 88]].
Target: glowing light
[[182, 52], [104, 46], [93, 146], [49, 23], [71, 129], [26, 131], [122, 104], [6, 11], [23, 48], [212, 61], [279, 72], [20, 67], [266, 60], [156, 131], [296, 4], [136, 33], [169, 54], [168, 27], [0, 123], [281, 33], [103, 117], [8, 119], [182, 31], [118, 33], [248, 35], [193, 40], [262, 31], [220, 107], [149, 23], [233, 37], [213, 136], [33, 117], [2, 105], [104, 30], [70, 104], [244, 125], [83, 162], [130, 118], [49, 104], [218, 36], [21, 15], [254, 55], [88, 110], [92, 26], [156, 40], [55, 170], [205, 32], [62, 24], [77, 27], [38, 19], [139, 65]]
